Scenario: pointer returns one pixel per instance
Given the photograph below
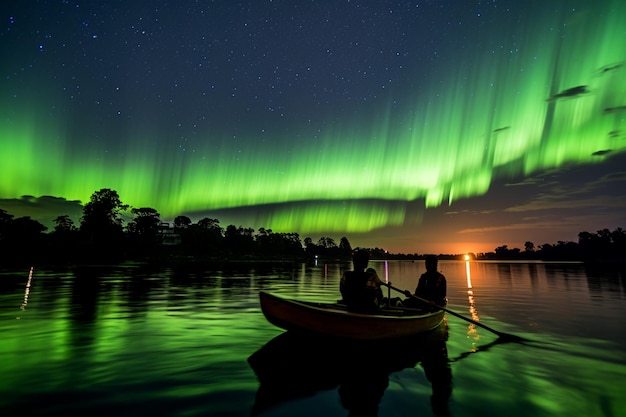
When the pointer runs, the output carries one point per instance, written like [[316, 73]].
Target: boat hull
[[336, 321]]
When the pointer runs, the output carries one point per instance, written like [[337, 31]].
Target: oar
[[507, 336]]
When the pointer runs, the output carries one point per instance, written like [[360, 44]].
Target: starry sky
[[414, 126]]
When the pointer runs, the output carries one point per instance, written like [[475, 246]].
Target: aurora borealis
[[379, 120]]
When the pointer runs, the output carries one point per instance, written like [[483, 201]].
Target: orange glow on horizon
[[462, 248]]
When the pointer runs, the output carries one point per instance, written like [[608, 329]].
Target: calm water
[[129, 341]]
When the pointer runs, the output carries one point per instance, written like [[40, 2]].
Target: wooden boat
[[333, 319]]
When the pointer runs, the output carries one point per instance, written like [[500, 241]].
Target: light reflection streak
[[27, 290], [386, 272], [472, 332], [387, 281]]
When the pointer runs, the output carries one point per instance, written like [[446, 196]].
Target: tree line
[[604, 245], [102, 236]]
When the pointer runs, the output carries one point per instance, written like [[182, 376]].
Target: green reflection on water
[[550, 376], [163, 342]]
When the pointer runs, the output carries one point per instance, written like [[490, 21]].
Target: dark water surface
[[130, 340]]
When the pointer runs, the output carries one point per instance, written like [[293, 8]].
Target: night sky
[[415, 126]]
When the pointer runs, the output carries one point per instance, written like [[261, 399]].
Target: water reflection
[[504, 274], [533, 275], [130, 340], [472, 332], [292, 366], [606, 282], [27, 290], [83, 308]]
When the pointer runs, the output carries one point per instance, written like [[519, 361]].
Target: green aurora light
[[487, 117]]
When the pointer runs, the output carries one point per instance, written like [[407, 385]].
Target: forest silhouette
[[102, 237]]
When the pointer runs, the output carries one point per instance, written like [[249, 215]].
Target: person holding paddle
[[431, 286], [434, 285]]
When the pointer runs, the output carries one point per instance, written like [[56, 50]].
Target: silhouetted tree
[[204, 238], [210, 224], [145, 223], [23, 240], [345, 249], [588, 244], [184, 227], [266, 243], [529, 250], [25, 228], [378, 253], [326, 243], [239, 240], [181, 223], [327, 247], [143, 230], [503, 252], [5, 222], [101, 223], [603, 245], [567, 250], [278, 245], [64, 240], [64, 224], [212, 235], [292, 244], [310, 248]]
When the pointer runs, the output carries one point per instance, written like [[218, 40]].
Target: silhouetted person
[[431, 286], [359, 288]]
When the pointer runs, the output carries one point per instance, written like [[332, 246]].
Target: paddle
[[507, 336]]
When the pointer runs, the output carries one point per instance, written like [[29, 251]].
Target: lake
[[133, 340]]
